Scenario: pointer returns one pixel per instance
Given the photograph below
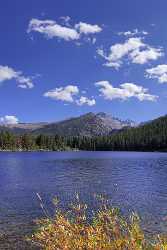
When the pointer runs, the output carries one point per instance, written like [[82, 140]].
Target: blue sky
[[61, 58]]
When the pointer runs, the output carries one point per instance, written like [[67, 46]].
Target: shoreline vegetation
[[106, 230]]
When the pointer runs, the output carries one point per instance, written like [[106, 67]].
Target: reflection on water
[[132, 181]]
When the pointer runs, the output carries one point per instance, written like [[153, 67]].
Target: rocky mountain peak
[[89, 124]]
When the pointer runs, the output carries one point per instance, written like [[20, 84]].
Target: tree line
[[27, 142]]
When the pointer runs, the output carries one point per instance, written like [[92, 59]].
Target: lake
[[133, 181]]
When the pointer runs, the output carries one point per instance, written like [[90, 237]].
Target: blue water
[[132, 181]]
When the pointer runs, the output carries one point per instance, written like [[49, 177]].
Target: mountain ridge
[[89, 124]]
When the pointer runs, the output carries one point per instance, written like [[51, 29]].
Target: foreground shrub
[[108, 230]]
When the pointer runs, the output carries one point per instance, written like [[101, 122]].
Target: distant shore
[[78, 150], [39, 150]]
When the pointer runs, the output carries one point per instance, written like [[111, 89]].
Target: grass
[[108, 230]]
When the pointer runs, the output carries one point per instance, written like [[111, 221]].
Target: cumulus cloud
[[84, 100], [7, 73], [131, 33], [134, 49], [124, 92], [63, 93], [8, 119], [159, 72], [85, 28], [70, 94], [142, 57], [52, 29]]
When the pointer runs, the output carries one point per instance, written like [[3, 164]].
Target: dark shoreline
[[78, 150]]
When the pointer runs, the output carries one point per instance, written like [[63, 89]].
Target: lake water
[[133, 181]]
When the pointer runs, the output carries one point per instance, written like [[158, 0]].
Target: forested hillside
[[148, 137]]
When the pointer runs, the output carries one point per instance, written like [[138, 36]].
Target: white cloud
[[159, 72], [124, 92], [51, 29], [7, 73], [85, 28], [131, 33], [142, 57], [84, 100], [134, 49], [66, 20], [94, 40], [63, 93], [9, 119], [70, 94], [24, 82]]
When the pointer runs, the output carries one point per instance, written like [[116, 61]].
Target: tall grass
[[108, 230]]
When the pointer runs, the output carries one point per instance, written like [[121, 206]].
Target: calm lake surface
[[133, 181]]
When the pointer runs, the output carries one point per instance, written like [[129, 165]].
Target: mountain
[[22, 128], [90, 124]]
